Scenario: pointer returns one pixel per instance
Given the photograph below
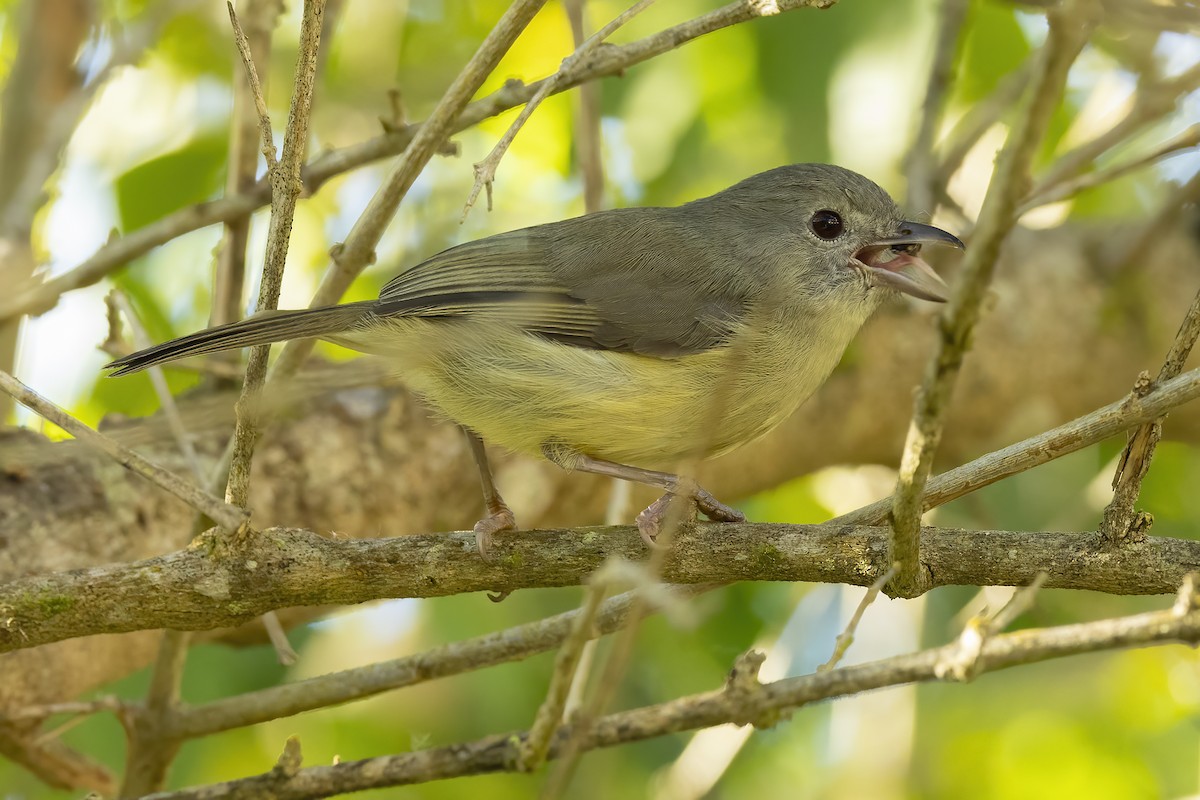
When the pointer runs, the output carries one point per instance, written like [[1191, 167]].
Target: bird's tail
[[271, 326]]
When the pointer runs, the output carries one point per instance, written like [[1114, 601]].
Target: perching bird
[[627, 340]]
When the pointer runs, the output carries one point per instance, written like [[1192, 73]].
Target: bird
[[625, 341]]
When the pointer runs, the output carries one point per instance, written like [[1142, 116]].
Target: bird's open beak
[[895, 262]]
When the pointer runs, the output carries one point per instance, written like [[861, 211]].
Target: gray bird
[[622, 342]]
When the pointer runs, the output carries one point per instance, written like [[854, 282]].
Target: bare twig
[[612, 60], [73, 707], [1044, 194], [980, 118], [1154, 99], [256, 92], [549, 716], [1068, 33], [587, 126], [1134, 409], [150, 753], [41, 84], [285, 190], [740, 702], [284, 651], [54, 763], [245, 131], [353, 255], [485, 171], [952, 17], [440, 662], [1119, 521], [159, 381], [229, 517], [846, 637]]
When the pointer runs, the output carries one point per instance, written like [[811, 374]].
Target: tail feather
[[272, 326]]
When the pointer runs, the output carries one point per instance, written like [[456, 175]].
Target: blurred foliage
[[843, 85]]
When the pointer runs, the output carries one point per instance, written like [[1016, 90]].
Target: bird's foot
[[498, 519], [654, 518]]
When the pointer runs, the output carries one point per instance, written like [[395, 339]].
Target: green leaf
[[186, 176]]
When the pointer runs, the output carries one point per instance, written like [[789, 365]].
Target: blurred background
[[844, 86]]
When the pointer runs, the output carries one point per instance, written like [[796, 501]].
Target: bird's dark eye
[[827, 224]]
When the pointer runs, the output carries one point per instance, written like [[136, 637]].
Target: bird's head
[[847, 236]]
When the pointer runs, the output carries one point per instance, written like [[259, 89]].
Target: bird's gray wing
[[623, 281]]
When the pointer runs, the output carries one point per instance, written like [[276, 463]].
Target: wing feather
[[615, 280]]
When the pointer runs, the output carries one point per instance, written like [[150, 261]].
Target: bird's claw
[[653, 519], [498, 519]]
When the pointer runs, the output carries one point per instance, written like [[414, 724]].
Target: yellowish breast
[[522, 391]]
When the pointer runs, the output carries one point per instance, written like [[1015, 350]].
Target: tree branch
[[205, 587], [1069, 29], [743, 701], [344, 450], [485, 171], [285, 190], [1119, 521], [224, 514], [1134, 409]]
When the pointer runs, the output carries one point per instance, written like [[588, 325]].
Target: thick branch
[[203, 587]]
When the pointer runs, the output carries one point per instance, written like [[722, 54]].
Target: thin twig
[[967, 132], [227, 516], [591, 170], [952, 17], [334, 688], [1044, 194], [54, 763], [485, 171], [40, 713], [1068, 32], [284, 652], [1153, 100], [244, 134], [1119, 521], [587, 125], [150, 753], [846, 637], [44, 100], [1055, 443], [612, 60], [358, 250], [765, 702], [256, 92], [285, 190], [159, 381], [549, 717]]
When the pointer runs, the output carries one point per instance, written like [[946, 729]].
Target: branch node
[[745, 695], [290, 759]]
